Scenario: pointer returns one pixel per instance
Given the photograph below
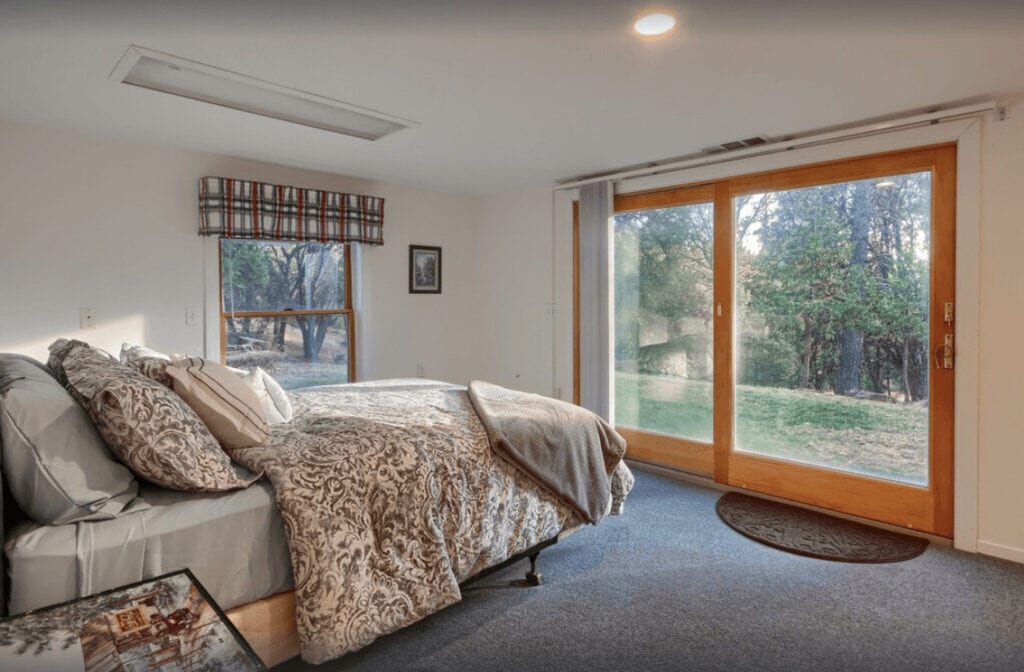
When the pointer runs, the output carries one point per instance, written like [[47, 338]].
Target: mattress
[[234, 542]]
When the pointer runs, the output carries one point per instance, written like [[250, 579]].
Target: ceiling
[[508, 94]]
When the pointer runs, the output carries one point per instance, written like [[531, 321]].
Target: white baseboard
[[1000, 551]]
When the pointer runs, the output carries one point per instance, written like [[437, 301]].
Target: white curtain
[[596, 329]]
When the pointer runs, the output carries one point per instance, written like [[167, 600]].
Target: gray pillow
[[56, 465]]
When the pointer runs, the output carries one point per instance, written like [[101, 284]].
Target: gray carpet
[[668, 586]]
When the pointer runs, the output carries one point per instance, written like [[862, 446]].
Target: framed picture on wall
[[424, 269]]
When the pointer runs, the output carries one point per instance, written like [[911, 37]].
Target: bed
[[325, 576]]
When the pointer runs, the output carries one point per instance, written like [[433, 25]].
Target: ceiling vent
[[737, 144], [178, 76]]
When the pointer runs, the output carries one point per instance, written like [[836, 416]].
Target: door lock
[[944, 353]]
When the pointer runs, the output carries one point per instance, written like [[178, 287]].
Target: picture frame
[[168, 622], [424, 269]]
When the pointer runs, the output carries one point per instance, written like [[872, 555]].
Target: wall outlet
[[192, 315], [87, 318], [419, 370]]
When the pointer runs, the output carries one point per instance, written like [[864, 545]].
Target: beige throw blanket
[[569, 450]]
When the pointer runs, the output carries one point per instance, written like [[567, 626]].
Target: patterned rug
[[814, 534]]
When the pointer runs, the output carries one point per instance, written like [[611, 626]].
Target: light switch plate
[[87, 317], [192, 315]]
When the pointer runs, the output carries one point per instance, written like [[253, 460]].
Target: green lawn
[[868, 437]]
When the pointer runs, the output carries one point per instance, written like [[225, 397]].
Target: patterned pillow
[[59, 350], [86, 369], [148, 362], [161, 439], [153, 368]]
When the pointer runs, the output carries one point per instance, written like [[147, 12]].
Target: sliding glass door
[[832, 289], [791, 333], [664, 324]]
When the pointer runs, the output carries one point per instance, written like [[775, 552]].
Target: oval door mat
[[814, 534]]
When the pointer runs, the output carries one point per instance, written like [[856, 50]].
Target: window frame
[[348, 311]]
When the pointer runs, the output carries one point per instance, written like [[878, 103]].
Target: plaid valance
[[241, 209]]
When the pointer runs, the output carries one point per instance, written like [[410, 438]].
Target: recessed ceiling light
[[654, 24], [885, 184], [178, 76]]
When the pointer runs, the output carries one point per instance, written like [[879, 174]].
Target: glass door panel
[[831, 334], [664, 274]]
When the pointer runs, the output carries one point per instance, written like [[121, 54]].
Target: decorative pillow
[[161, 439], [277, 409], [229, 407], [56, 465], [59, 349], [153, 368], [86, 370]]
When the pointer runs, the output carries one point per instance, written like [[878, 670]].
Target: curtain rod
[[936, 117]]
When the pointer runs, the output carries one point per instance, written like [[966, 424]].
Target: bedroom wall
[[90, 221], [522, 222], [515, 262], [1001, 384]]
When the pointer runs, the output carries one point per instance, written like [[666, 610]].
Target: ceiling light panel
[[170, 74]]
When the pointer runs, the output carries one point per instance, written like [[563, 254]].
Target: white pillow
[[132, 351], [277, 409], [228, 406]]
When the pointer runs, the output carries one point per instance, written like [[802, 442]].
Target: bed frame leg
[[533, 577]]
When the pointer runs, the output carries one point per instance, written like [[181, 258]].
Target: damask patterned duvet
[[391, 496]]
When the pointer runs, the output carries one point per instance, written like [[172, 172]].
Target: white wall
[[522, 223], [514, 278], [90, 221], [1001, 389], [398, 330]]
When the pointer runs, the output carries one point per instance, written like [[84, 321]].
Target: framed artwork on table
[[165, 624]]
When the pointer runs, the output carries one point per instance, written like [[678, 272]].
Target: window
[[286, 307]]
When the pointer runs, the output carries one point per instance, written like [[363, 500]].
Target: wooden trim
[[664, 198], [287, 313], [691, 456], [269, 627], [884, 501], [941, 381], [576, 303], [830, 172], [220, 302], [724, 292], [351, 316]]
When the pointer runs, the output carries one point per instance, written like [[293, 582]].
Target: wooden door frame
[[928, 509]]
